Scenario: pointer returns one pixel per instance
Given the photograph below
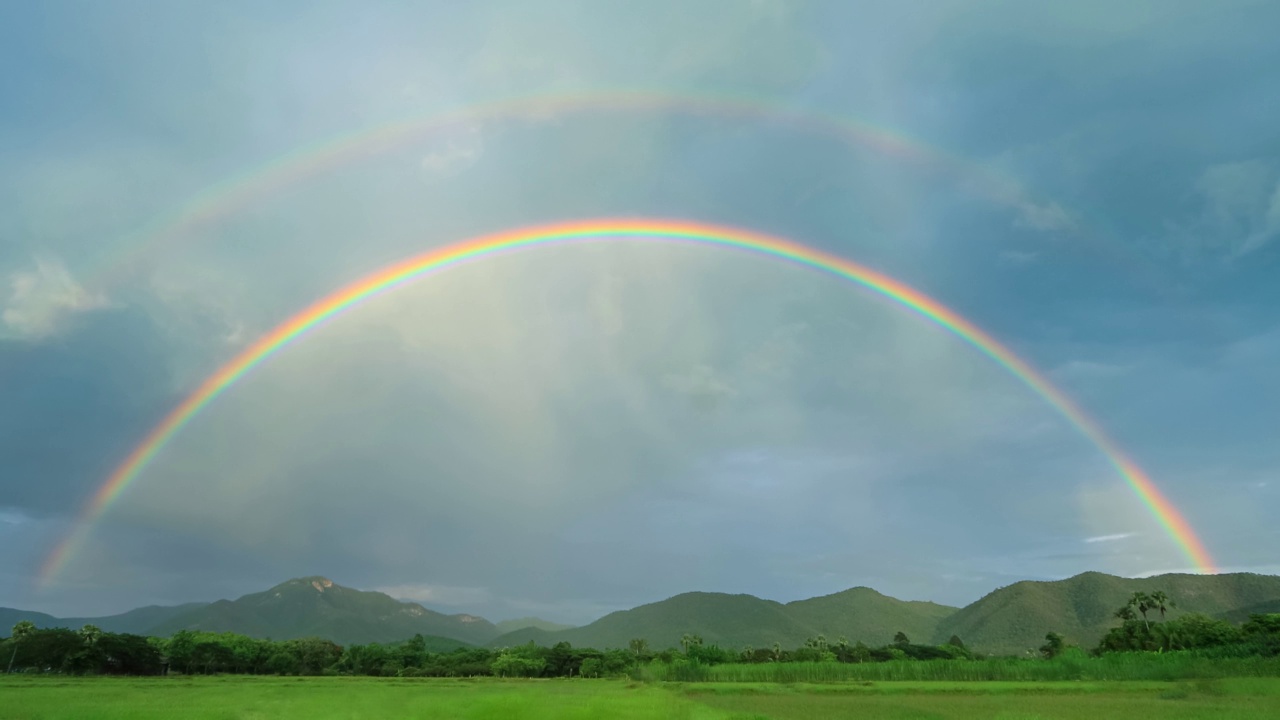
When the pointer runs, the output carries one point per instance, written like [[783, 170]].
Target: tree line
[[90, 650]]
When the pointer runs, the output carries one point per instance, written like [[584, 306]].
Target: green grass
[[348, 698], [245, 698], [1117, 666]]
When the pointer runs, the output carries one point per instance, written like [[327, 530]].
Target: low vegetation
[[1141, 647], [32, 697]]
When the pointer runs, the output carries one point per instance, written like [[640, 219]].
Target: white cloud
[[1045, 217], [41, 300], [1109, 538]]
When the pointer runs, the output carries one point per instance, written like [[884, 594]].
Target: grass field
[[234, 698]]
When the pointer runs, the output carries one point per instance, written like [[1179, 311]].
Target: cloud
[[1109, 538], [42, 300], [438, 594], [702, 384], [1241, 209], [457, 151], [1046, 217], [13, 516]]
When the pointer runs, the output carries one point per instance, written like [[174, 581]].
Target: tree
[[901, 639], [1142, 602], [21, 631], [639, 646], [1053, 646], [1160, 601], [955, 641], [90, 634], [591, 667], [1126, 613]]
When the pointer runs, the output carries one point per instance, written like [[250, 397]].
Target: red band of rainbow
[[619, 228]]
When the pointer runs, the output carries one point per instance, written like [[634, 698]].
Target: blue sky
[[571, 431]]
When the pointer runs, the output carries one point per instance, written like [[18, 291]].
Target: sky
[[568, 431]]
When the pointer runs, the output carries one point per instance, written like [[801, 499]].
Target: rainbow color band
[[616, 228]]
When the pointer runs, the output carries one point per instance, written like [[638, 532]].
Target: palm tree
[[777, 651], [90, 635], [685, 641], [1160, 601], [1126, 613], [21, 631], [1142, 602]]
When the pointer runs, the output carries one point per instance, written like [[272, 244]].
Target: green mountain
[[139, 621], [507, 626], [10, 617], [315, 606], [734, 621], [1015, 619], [1010, 620], [863, 614]]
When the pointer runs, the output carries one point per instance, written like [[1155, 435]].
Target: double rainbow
[[717, 236]]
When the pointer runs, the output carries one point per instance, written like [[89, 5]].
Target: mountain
[[863, 614], [733, 621], [1010, 620], [315, 606], [139, 621], [507, 626], [1015, 619], [10, 617]]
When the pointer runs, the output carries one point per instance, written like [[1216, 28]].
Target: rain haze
[[568, 430]]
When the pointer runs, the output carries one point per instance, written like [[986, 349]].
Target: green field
[[235, 697]]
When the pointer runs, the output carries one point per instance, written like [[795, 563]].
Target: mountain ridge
[[1008, 620]]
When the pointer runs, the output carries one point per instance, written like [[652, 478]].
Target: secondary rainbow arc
[[1162, 509], [235, 192]]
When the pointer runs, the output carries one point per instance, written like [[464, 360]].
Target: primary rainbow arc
[[1168, 516]]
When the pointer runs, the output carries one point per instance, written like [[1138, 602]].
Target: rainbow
[[404, 272], [225, 198]]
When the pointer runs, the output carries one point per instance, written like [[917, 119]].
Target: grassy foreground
[[237, 697]]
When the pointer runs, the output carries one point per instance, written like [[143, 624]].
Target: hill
[[11, 616], [139, 620], [863, 614], [507, 626], [1015, 619], [1010, 620], [315, 606], [734, 621]]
